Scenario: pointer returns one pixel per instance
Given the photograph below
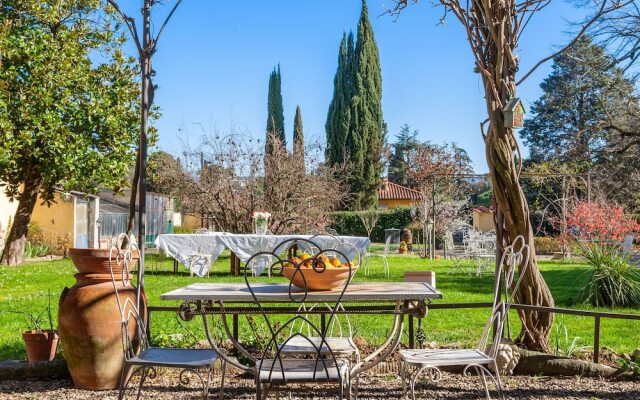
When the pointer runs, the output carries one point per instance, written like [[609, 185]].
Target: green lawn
[[25, 288]]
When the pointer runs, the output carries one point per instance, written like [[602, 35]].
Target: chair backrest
[[280, 332], [340, 326], [627, 245], [128, 297], [387, 244], [496, 320], [515, 260]]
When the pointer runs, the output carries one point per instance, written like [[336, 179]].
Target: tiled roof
[[393, 191]]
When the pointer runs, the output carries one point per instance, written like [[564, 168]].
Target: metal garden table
[[385, 298]]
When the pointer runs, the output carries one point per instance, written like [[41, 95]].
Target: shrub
[[35, 250], [546, 245], [349, 223], [600, 221], [182, 229], [613, 282]]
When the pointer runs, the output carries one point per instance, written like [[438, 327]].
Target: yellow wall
[[191, 221], [483, 221], [384, 203], [57, 223]]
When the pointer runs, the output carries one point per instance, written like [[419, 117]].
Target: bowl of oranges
[[319, 272]]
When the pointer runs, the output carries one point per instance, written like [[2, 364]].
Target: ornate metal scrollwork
[[188, 310], [415, 308]]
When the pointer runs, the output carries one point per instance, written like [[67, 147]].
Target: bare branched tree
[[369, 220], [493, 29], [223, 182]]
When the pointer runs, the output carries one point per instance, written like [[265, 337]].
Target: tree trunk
[[510, 199], [134, 192], [13, 253], [497, 65]]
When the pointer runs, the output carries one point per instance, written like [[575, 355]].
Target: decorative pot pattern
[[90, 325]]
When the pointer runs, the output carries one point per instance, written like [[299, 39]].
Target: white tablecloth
[[188, 247]]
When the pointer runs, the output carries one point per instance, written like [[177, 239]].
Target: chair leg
[[258, 390], [206, 382], [498, 381], [143, 374], [403, 377], [412, 384], [122, 386], [223, 366], [480, 372]]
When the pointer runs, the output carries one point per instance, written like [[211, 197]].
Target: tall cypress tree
[[355, 128], [298, 141], [339, 115], [367, 124], [275, 111]]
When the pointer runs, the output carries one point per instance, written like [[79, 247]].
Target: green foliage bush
[[547, 245], [182, 229], [348, 222], [613, 282]]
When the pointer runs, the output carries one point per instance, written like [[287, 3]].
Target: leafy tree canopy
[[69, 115]]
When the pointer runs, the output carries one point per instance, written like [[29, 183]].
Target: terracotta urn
[[90, 324], [41, 346]]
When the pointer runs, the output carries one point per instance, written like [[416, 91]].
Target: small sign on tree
[[514, 114]]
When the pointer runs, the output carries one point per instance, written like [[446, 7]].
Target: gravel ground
[[374, 387]]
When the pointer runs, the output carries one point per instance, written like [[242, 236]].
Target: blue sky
[[214, 59]]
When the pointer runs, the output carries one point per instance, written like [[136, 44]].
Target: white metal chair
[[276, 368], [339, 335], [482, 359], [385, 262], [138, 355]]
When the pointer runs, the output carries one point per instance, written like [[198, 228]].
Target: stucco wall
[[57, 223], [383, 203], [483, 221]]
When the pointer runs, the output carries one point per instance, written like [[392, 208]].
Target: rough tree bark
[[493, 29], [13, 253]]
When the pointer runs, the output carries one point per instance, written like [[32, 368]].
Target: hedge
[[349, 223]]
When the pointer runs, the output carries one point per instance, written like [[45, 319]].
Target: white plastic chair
[[627, 245], [385, 262]]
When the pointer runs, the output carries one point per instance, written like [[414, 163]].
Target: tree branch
[[601, 11]]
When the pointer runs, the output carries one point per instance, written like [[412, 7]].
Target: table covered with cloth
[[198, 251]]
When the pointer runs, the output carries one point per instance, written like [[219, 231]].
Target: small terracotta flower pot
[[41, 346]]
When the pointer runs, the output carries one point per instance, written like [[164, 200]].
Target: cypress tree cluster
[[355, 126], [298, 140]]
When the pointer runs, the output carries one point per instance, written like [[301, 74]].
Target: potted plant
[[41, 344], [403, 248]]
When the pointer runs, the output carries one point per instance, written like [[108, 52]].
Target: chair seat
[[443, 357], [340, 346], [171, 357], [320, 370]]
